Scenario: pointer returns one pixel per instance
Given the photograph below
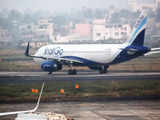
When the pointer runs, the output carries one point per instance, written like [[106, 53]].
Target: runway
[[80, 76]]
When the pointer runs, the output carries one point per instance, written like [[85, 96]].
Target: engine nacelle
[[51, 66]]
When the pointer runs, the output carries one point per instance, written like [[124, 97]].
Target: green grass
[[21, 91]]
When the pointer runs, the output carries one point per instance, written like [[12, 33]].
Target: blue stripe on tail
[[139, 40]]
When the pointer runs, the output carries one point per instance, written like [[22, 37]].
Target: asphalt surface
[[115, 110], [80, 76]]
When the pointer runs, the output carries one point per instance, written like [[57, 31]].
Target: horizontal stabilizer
[[153, 51]]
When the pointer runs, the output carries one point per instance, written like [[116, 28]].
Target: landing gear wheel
[[50, 73], [103, 69], [72, 72]]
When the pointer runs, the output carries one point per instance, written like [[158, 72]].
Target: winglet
[[27, 50], [28, 111]]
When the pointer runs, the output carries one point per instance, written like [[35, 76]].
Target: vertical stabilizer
[[138, 33]]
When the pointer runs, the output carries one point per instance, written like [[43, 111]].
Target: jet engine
[[51, 66]]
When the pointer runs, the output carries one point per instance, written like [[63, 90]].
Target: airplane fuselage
[[98, 53], [86, 53]]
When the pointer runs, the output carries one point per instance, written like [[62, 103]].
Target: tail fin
[[138, 33]]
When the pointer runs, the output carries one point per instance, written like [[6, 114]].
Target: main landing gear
[[72, 72], [103, 69]]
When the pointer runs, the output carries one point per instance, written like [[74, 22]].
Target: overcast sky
[[59, 5]]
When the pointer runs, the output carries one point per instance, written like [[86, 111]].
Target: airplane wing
[[59, 59], [27, 111], [153, 51]]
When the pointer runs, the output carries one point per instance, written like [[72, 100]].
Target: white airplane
[[27, 111], [95, 56]]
